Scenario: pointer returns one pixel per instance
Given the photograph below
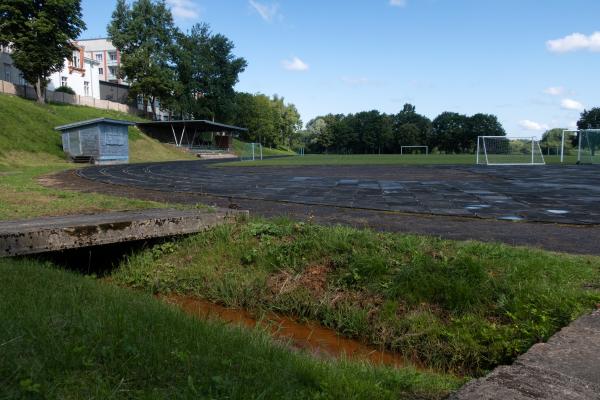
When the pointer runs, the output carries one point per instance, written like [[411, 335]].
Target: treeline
[[375, 132]]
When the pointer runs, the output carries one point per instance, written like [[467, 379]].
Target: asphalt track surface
[[554, 194], [556, 232]]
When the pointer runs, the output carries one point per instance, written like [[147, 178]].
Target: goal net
[[251, 152], [588, 146], [414, 150], [502, 150]]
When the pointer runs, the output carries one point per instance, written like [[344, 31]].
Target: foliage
[[374, 132], [65, 89], [144, 32], [589, 119], [551, 141], [270, 121], [207, 71], [80, 338], [40, 33], [459, 306]]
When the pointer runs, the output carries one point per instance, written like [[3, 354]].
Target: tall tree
[[589, 119], [40, 33], [208, 71], [144, 33]]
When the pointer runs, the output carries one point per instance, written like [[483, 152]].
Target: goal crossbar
[[535, 149], [414, 147]]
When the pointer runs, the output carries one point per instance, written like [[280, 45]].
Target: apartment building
[[106, 55], [80, 74]]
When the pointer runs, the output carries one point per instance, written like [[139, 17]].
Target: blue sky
[[530, 62]]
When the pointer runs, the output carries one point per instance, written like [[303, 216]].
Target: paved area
[[45, 234], [566, 367], [557, 194]]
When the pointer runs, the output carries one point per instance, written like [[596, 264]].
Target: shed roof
[[200, 125], [93, 121]]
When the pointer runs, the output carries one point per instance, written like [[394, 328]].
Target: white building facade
[[80, 74]]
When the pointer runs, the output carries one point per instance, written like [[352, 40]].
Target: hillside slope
[[27, 135]]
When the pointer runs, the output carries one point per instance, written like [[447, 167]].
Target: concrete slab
[[566, 367], [75, 231]]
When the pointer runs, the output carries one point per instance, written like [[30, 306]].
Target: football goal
[[414, 150], [251, 152], [502, 150], [588, 145]]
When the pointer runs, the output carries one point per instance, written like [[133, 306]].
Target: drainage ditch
[[306, 336]]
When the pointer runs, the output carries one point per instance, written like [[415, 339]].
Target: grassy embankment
[[374, 159], [457, 306], [68, 336], [29, 148]]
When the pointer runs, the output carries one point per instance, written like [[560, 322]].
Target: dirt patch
[[313, 279]]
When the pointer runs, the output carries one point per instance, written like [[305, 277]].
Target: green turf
[[27, 135], [458, 306], [64, 336], [242, 149], [373, 159]]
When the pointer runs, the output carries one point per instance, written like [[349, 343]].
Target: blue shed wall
[[106, 143], [113, 143]]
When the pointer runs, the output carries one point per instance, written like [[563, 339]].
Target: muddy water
[[311, 337]]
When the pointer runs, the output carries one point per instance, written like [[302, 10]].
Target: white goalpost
[[588, 144], [251, 152], [402, 149], [503, 150]]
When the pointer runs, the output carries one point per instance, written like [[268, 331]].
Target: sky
[[530, 62]]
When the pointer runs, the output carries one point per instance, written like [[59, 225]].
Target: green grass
[[27, 135], [240, 148], [72, 337], [457, 306], [21, 196], [30, 148], [374, 159]]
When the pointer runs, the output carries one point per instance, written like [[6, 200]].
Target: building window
[[86, 88], [63, 81], [98, 56], [100, 71], [112, 55], [112, 71], [76, 59], [21, 79]]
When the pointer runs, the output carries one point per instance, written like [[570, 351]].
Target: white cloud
[[398, 3], [532, 125], [184, 9], [575, 42], [570, 104], [295, 64], [555, 90], [268, 12]]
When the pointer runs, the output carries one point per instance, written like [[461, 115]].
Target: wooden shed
[[97, 141]]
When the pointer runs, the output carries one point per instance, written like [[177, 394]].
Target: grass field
[[30, 148], [64, 336], [457, 306], [374, 159]]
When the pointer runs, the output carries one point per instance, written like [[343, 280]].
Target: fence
[[28, 92]]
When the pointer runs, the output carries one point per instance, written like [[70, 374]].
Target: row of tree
[[375, 132]]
